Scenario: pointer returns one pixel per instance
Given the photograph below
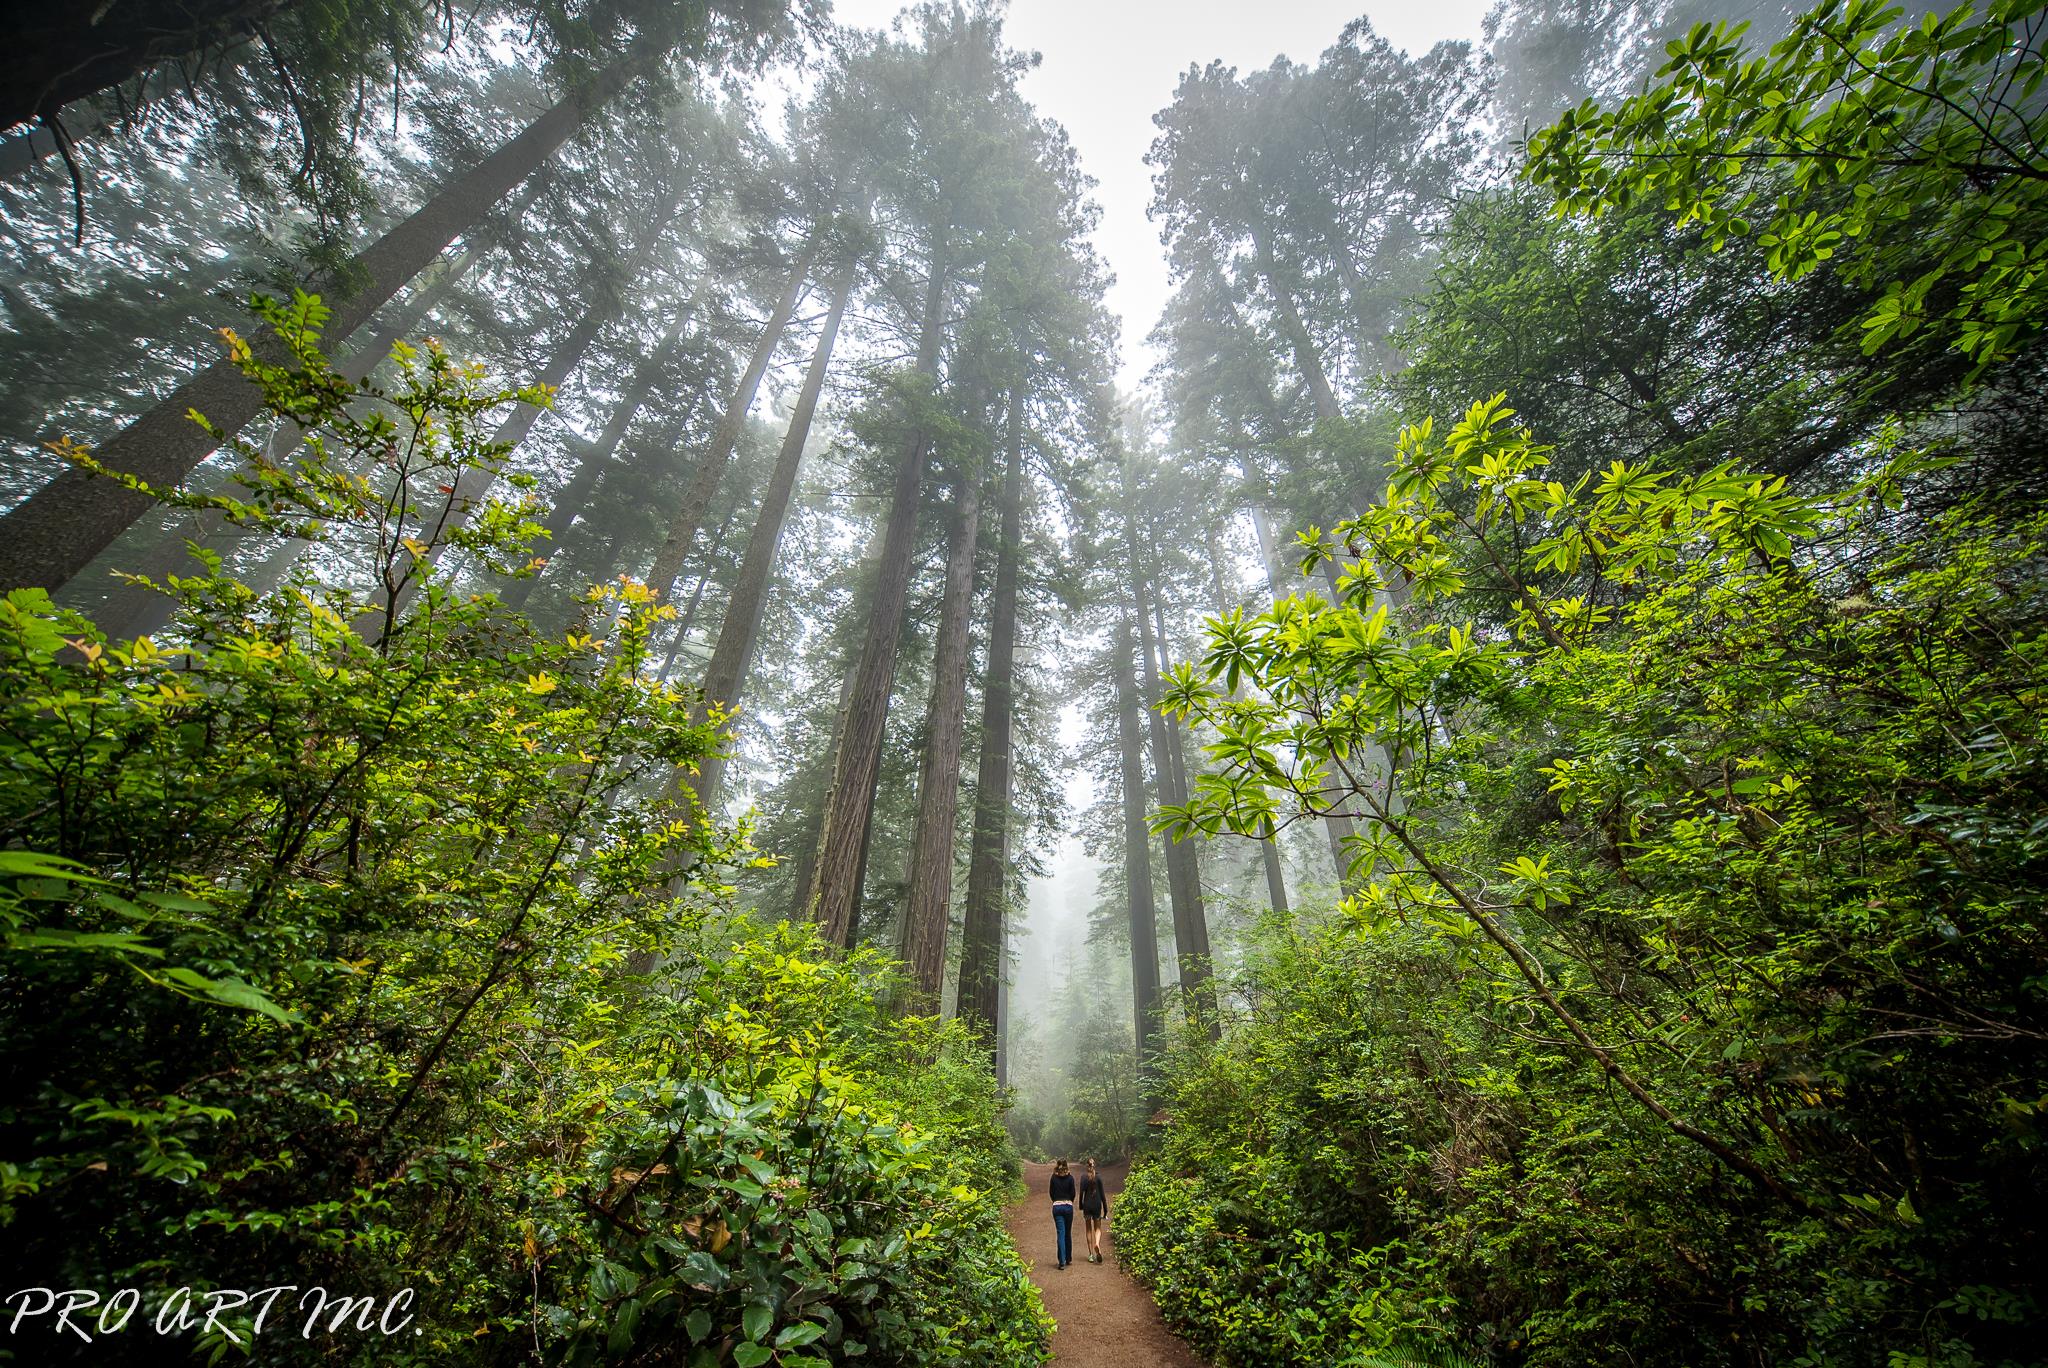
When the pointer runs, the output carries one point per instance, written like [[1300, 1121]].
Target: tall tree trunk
[[807, 849], [689, 617], [703, 486], [1338, 828], [1197, 934], [574, 497], [1375, 357], [375, 350], [56, 532], [134, 612], [1306, 360], [929, 900], [473, 485], [981, 935], [1144, 903], [834, 900], [1003, 1017], [1183, 874], [732, 658], [1269, 849], [860, 869], [1269, 550]]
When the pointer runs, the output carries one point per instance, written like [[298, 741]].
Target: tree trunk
[[1375, 357], [807, 850], [689, 617], [132, 612], [1144, 903], [732, 658], [703, 487], [575, 494], [1337, 827], [56, 532], [1269, 551], [1003, 1018], [834, 900], [928, 904], [1305, 358], [1177, 766], [1269, 849], [376, 349], [475, 483], [1183, 874], [981, 936]]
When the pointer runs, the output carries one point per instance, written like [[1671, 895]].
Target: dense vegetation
[[1687, 1005], [365, 952], [542, 607], [371, 895]]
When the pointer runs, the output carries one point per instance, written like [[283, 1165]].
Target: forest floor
[[1105, 1319]]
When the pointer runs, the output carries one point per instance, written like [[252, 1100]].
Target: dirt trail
[[1105, 1319]]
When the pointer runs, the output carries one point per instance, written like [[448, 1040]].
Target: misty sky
[[1111, 64]]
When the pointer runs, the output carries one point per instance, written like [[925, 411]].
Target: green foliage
[[799, 1197], [1701, 961], [1912, 152], [1625, 335], [380, 950]]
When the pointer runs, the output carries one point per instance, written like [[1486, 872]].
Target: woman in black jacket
[[1061, 1190], [1094, 1207]]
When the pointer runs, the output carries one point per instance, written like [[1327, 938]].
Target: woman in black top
[[1061, 1190], [1094, 1206]]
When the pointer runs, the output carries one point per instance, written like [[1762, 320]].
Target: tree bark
[[1003, 1019], [1183, 874], [981, 935], [834, 900], [132, 612], [473, 485], [703, 487], [1143, 902], [1269, 850], [689, 617], [1306, 359], [1338, 827], [575, 494], [56, 532], [732, 657], [814, 835], [928, 904]]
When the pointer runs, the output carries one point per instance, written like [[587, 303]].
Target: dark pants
[[1063, 1222]]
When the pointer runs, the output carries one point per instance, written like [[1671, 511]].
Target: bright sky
[[1109, 65]]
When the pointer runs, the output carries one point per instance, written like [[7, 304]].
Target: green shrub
[[1689, 1008], [328, 937]]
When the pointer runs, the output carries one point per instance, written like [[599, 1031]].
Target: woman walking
[[1094, 1206], [1061, 1190]]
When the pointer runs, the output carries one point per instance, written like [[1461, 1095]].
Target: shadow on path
[[1105, 1319]]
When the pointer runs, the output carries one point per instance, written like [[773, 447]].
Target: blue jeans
[[1063, 1222]]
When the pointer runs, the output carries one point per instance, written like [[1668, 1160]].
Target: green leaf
[[703, 1272], [797, 1335]]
